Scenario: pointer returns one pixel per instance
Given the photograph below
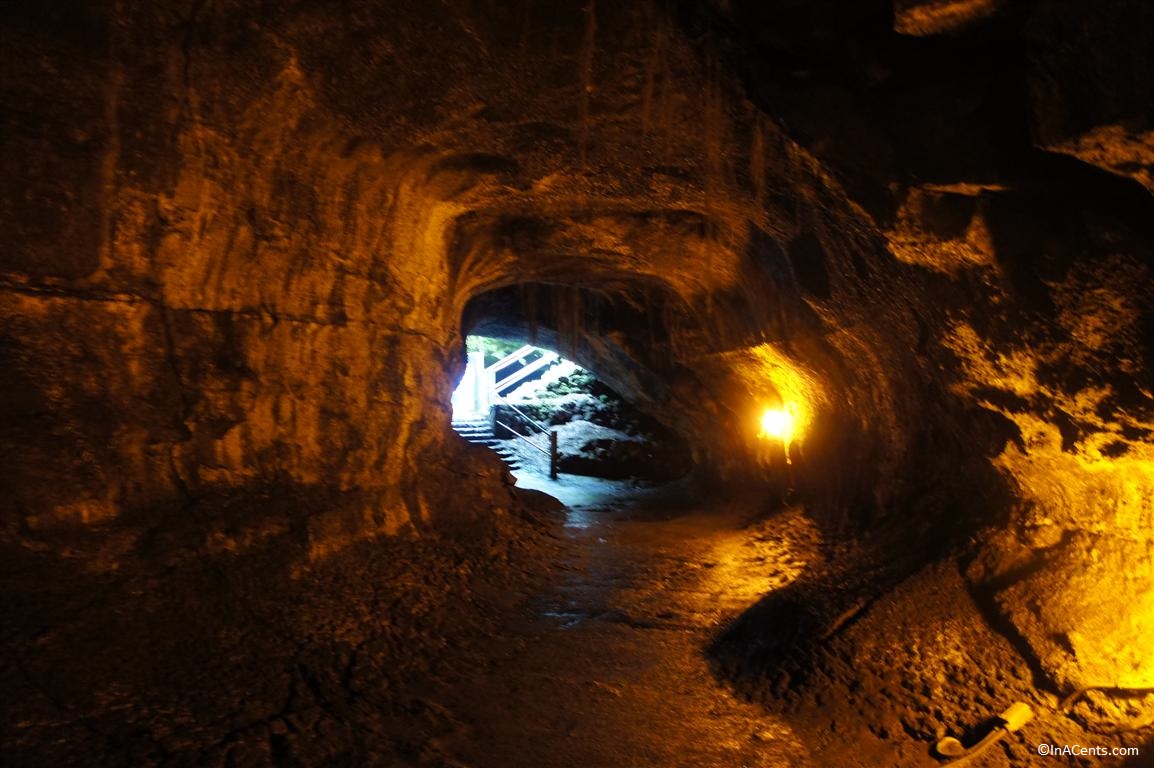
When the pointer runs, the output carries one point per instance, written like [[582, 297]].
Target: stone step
[[481, 433], [473, 431]]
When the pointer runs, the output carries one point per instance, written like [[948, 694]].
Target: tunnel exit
[[497, 369], [497, 372], [545, 415]]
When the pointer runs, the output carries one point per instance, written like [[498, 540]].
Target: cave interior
[[885, 269]]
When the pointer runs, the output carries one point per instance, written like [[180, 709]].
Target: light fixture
[[777, 424]]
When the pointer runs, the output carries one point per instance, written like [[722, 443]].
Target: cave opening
[[558, 424], [545, 415]]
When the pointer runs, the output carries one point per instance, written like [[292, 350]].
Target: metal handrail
[[515, 433], [552, 453], [521, 413]]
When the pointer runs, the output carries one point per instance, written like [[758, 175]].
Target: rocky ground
[[636, 627]]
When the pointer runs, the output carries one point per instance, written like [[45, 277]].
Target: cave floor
[[611, 633], [606, 665], [570, 642]]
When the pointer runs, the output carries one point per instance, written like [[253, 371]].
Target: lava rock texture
[[244, 243]]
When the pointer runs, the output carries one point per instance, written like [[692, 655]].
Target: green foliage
[[579, 382], [494, 349]]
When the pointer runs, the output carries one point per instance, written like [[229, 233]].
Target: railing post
[[552, 454], [487, 384]]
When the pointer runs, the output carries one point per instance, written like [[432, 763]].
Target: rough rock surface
[[244, 242]]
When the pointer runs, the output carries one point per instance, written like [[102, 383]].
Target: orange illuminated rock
[[243, 248]]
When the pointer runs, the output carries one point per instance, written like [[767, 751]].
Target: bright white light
[[777, 424]]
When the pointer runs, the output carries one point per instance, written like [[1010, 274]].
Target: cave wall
[[242, 247], [241, 240], [249, 293], [1003, 150]]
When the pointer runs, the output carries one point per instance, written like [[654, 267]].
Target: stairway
[[478, 430]]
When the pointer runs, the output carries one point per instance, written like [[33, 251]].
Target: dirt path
[[606, 668]]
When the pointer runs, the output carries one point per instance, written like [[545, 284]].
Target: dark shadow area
[[771, 651], [1142, 759], [249, 652]]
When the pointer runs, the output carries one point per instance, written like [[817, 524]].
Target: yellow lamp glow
[[777, 424]]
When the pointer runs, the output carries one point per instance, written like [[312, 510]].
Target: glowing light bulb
[[777, 424]]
